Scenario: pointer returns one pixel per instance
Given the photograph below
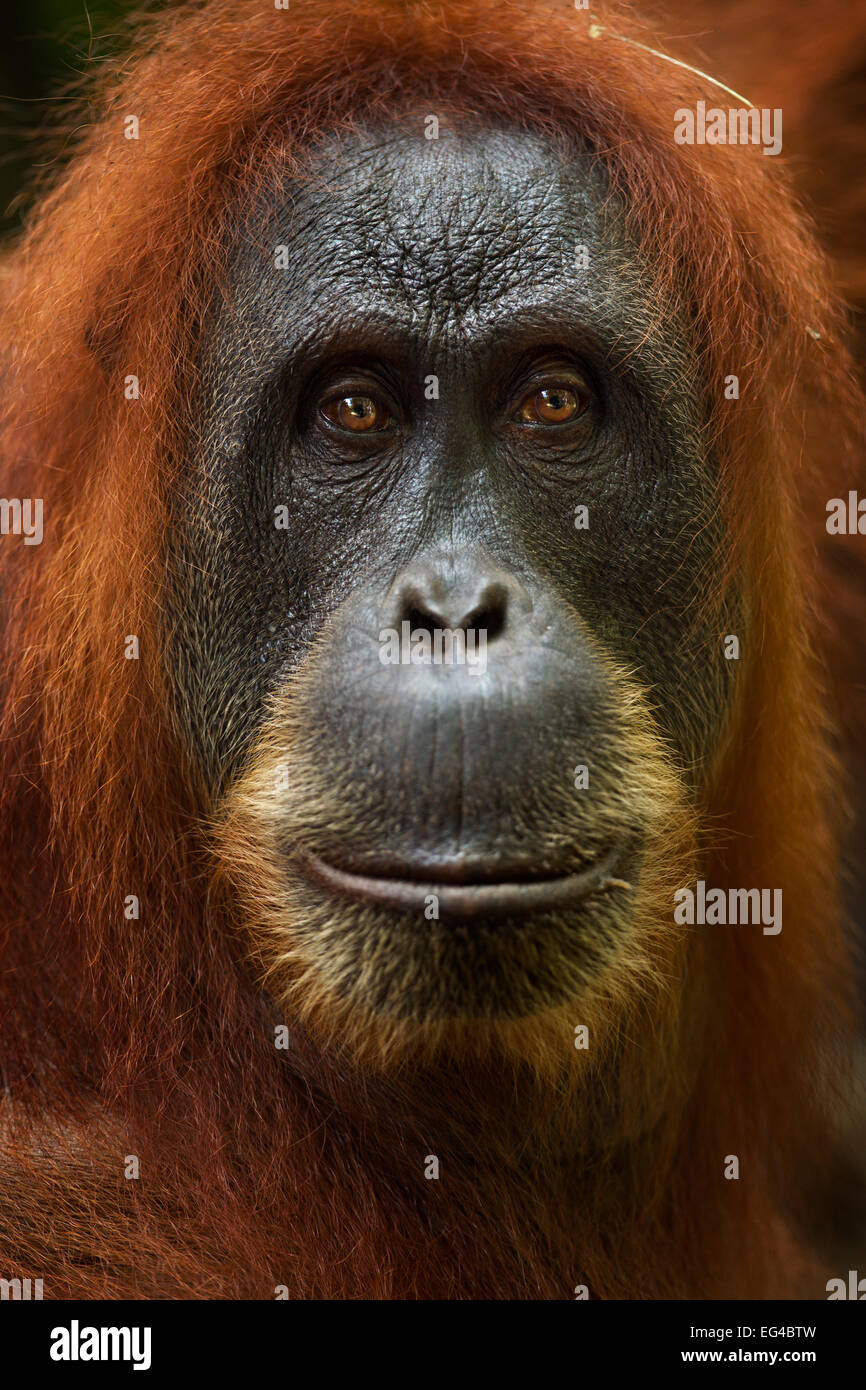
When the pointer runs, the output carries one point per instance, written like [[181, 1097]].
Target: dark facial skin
[[558, 387]]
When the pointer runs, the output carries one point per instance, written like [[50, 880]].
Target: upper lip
[[467, 900]]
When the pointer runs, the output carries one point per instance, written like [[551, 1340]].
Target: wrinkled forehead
[[452, 223], [462, 239]]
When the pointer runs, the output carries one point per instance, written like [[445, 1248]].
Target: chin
[[403, 957]]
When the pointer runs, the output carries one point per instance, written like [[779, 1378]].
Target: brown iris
[[552, 405], [360, 414]]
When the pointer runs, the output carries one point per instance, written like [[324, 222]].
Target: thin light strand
[[596, 30]]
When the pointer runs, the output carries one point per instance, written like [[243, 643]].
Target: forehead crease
[[444, 238], [392, 242]]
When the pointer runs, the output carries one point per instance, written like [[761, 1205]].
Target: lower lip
[[469, 902]]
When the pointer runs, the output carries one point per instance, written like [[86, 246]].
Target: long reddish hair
[[147, 1036]]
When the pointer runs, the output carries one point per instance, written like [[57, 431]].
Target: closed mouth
[[467, 901]]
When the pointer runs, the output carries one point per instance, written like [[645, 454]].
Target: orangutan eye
[[359, 414], [557, 404]]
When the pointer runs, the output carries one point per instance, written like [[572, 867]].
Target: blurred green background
[[44, 46]]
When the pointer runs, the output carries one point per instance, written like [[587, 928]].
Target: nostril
[[488, 620], [488, 617], [489, 613], [430, 604], [422, 621]]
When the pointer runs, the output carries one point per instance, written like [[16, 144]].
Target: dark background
[[46, 46]]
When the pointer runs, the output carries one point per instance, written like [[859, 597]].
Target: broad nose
[[468, 594]]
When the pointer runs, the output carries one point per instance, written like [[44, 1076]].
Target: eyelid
[[557, 374], [355, 386], [550, 372]]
